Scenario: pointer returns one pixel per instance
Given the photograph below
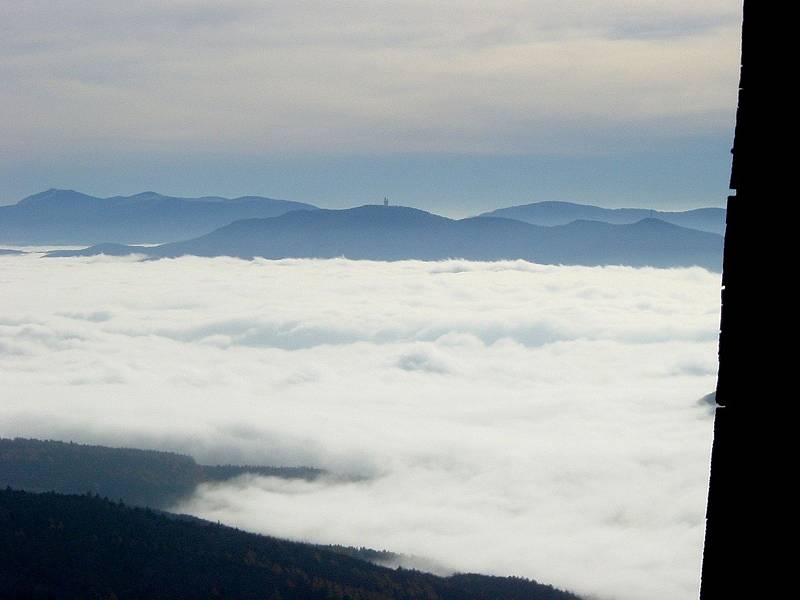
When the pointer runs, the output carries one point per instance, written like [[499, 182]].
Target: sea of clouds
[[505, 418]]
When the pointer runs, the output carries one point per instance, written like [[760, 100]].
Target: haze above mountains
[[251, 226]]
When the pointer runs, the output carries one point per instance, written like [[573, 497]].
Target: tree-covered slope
[[65, 547], [141, 477]]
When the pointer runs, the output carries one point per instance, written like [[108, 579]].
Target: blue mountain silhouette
[[70, 217], [398, 233], [562, 213]]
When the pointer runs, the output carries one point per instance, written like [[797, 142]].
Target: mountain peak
[[56, 195]]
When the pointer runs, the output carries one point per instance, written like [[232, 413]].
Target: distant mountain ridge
[[562, 213], [399, 233], [70, 217]]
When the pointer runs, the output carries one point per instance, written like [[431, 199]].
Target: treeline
[[223, 472], [389, 559], [68, 546], [363, 553], [140, 477]]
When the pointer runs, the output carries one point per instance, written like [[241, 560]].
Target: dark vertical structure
[[738, 507]]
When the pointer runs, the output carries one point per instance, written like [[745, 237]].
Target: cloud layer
[[508, 417], [363, 76]]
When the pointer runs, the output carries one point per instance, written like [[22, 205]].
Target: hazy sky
[[510, 418], [454, 106]]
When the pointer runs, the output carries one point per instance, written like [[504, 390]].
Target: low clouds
[[498, 417]]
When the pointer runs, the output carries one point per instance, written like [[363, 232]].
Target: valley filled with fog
[[504, 417]]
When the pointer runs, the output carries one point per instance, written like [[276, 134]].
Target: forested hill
[[141, 477], [65, 547]]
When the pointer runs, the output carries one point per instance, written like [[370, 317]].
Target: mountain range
[[399, 233], [562, 213], [252, 226], [68, 217]]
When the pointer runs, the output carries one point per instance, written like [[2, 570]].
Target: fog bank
[[509, 418]]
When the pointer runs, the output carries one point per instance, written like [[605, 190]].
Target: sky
[[453, 106], [506, 417]]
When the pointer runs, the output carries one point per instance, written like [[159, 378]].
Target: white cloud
[[512, 418]]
